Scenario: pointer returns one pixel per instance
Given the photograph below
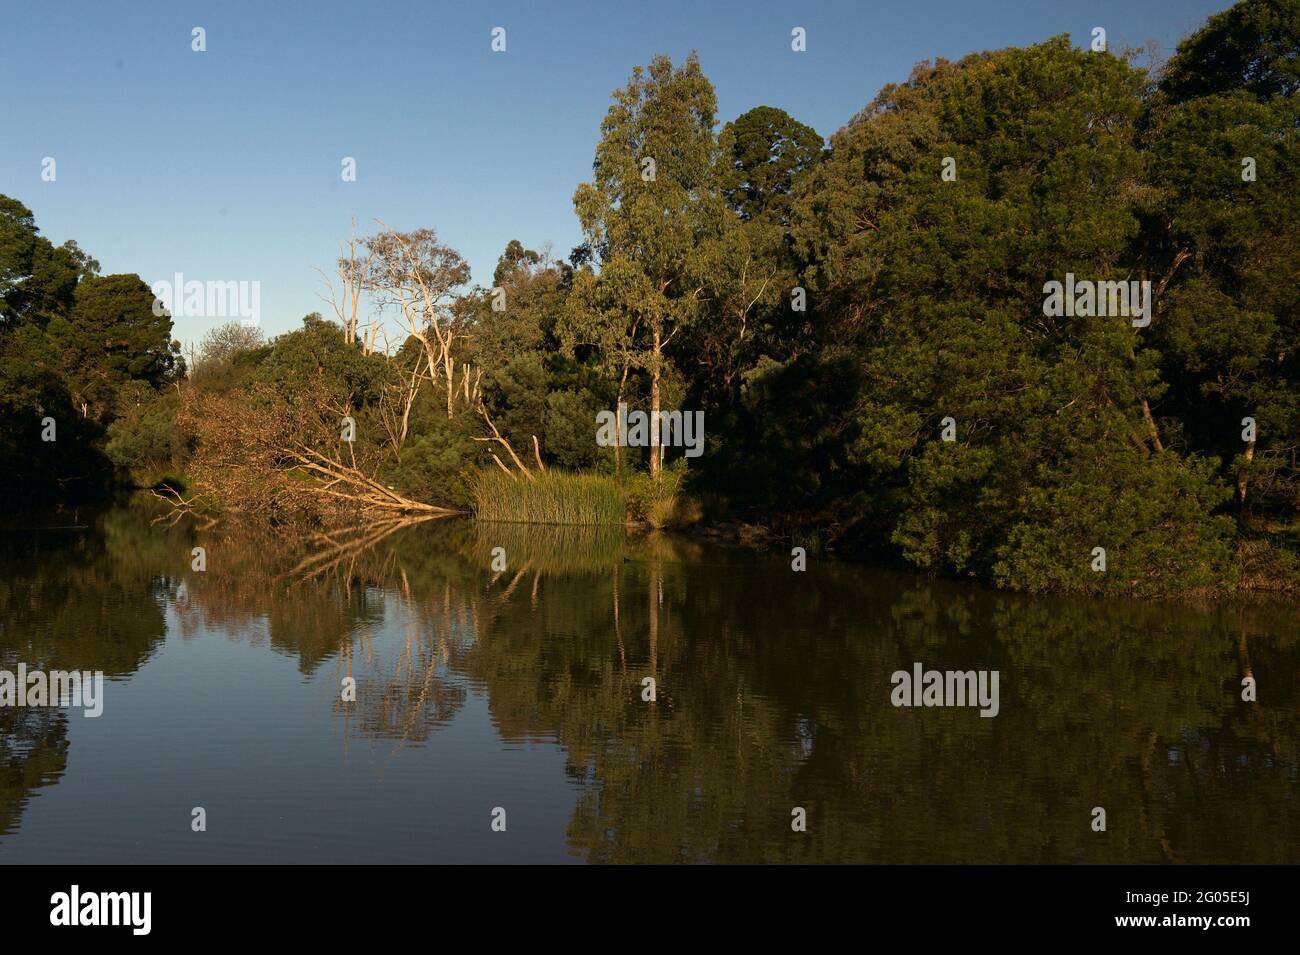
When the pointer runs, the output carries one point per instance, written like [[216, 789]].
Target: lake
[[386, 695]]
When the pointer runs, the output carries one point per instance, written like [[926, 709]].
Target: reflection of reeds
[[549, 549], [548, 497]]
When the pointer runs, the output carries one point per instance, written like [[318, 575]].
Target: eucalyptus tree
[[419, 275], [655, 196]]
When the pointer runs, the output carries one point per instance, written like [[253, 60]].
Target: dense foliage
[[864, 327]]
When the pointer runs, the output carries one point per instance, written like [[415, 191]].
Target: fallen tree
[[286, 458]]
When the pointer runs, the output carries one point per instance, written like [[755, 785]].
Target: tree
[[513, 258], [1251, 47], [144, 441], [937, 284], [419, 275], [766, 149], [533, 391], [1224, 158], [69, 342], [17, 245], [655, 196], [111, 337], [223, 343], [37, 279], [353, 267]]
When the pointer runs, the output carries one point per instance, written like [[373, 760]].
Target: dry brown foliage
[[284, 459]]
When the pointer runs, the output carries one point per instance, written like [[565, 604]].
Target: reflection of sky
[[234, 727], [774, 692]]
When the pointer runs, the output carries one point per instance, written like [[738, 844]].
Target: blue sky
[[225, 165]]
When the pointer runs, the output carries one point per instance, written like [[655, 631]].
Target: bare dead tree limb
[[497, 437]]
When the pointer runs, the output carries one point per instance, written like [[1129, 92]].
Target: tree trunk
[[618, 423], [450, 367], [656, 452], [1152, 431], [1242, 475]]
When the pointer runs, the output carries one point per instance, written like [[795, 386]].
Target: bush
[[145, 441], [436, 462], [653, 501], [1154, 517]]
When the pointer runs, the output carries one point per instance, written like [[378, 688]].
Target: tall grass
[[552, 497]]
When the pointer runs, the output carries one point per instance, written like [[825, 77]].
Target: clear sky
[[225, 165]]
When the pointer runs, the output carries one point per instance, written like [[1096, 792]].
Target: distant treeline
[[866, 327]]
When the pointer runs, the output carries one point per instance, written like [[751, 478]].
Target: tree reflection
[[77, 592], [773, 687]]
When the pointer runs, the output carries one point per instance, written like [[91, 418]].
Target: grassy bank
[[564, 497], [551, 497]]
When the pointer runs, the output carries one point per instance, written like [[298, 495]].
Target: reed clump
[[548, 497]]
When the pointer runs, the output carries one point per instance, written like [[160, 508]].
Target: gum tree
[[656, 194]]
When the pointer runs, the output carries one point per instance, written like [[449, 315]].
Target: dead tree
[[353, 267]]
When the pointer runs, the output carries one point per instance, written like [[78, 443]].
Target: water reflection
[[71, 599], [773, 687]]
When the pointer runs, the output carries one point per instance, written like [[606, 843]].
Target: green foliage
[[1251, 46], [37, 279], [569, 423], [144, 440], [37, 471], [766, 149], [517, 393], [651, 499], [1227, 245], [73, 344], [1150, 513], [112, 338], [865, 334], [514, 256], [655, 197], [938, 304], [17, 245], [436, 462], [316, 356]]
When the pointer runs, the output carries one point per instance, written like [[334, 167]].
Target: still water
[[522, 690]]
